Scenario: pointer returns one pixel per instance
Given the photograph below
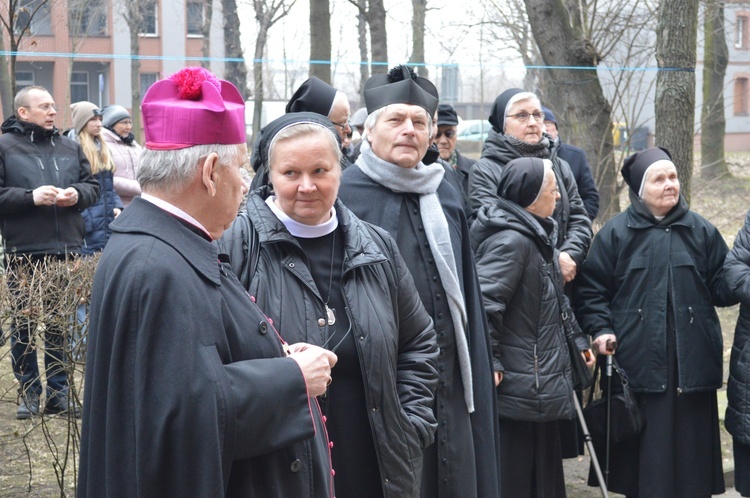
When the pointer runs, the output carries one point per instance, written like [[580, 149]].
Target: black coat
[[395, 337], [31, 157], [579, 165], [466, 444], [518, 274], [737, 275], [636, 264], [98, 217], [188, 391], [573, 224]]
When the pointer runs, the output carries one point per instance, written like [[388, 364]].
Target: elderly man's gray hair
[[171, 170]]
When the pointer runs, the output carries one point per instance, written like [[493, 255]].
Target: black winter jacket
[[737, 275], [396, 340], [636, 264], [98, 217], [579, 165], [518, 273], [31, 157], [573, 224]]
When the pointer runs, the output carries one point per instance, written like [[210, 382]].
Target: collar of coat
[[639, 217], [359, 247], [143, 217]]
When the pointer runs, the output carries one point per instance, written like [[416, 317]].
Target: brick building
[[80, 49]]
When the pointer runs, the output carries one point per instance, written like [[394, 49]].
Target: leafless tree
[[234, 71], [676, 45], [320, 39], [267, 13], [134, 12], [17, 19], [715, 61], [374, 12], [208, 13], [419, 14]]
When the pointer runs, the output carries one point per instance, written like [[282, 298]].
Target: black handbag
[[626, 419]]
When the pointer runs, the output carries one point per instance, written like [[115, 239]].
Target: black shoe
[[28, 405], [62, 404]]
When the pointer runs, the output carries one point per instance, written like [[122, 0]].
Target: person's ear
[[210, 173]]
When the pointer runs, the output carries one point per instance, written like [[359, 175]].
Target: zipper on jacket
[[690, 309], [536, 368], [41, 164], [640, 312]]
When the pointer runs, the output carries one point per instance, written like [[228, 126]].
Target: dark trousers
[[22, 333]]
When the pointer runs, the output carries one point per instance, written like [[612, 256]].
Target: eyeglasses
[[44, 107], [523, 117], [447, 133], [343, 125]]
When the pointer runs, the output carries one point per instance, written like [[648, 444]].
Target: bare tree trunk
[[577, 93], [320, 39], [133, 18], [260, 43], [6, 86], [364, 68], [419, 8], [234, 72], [378, 37], [676, 40], [206, 33], [713, 122]]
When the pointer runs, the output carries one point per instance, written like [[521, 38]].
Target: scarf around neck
[[424, 181], [539, 149]]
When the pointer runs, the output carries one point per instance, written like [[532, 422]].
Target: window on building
[[149, 14], [147, 79], [195, 18], [79, 86], [740, 32], [88, 18], [24, 79], [741, 96], [33, 15]]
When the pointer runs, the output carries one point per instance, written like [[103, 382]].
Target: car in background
[[473, 130]]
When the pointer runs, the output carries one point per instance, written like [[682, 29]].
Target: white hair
[[171, 170], [372, 120]]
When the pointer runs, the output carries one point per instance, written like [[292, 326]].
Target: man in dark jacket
[[45, 180], [579, 165], [391, 187], [190, 391], [445, 139]]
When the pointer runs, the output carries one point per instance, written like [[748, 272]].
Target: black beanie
[[522, 180], [497, 114], [635, 166], [447, 115], [314, 95]]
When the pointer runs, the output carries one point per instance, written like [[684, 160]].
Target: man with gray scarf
[[391, 187]]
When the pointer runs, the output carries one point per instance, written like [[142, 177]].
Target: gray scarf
[[424, 180]]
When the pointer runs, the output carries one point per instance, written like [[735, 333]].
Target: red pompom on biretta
[[190, 79]]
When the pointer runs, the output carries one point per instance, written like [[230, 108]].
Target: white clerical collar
[[174, 211], [298, 229]]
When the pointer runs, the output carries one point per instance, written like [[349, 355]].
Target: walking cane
[[590, 446], [611, 346]]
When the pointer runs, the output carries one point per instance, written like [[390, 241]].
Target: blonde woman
[[87, 122]]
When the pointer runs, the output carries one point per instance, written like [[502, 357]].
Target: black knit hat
[[548, 115], [400, 86], [447, 115], [497, 113], [522, 180], [635, 166], [314, 95]]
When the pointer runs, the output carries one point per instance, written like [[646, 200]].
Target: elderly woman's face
[[522, 124], [545, 204], [305, 173], [661, 189]]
